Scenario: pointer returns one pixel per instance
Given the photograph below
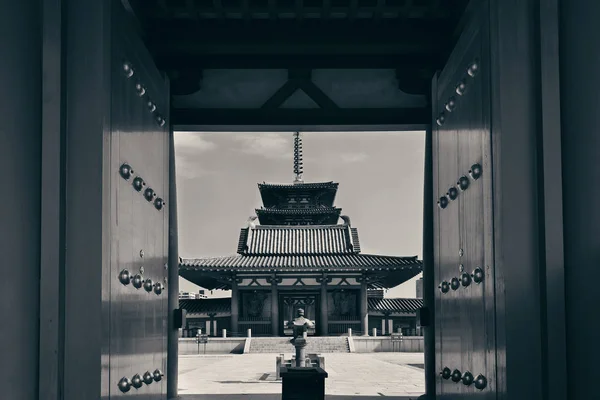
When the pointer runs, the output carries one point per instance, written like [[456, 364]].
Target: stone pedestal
[[300, 326], [303, 383], [300, 345]]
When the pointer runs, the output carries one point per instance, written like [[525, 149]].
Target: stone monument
[[300, 326], [302, 382]]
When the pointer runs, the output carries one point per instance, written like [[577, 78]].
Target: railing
[[259, 328], [344, 318], [265, 320], [341, 327], [412, 332], [239, 334], [409, 332]]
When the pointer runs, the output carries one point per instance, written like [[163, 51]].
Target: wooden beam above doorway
[[319, 116]]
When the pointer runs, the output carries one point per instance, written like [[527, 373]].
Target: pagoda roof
[[392, 270], [300, 211], [223, 305], [396, 305], [302, 262], [206, 306], [299, 185], [298, 216], [294, 240]]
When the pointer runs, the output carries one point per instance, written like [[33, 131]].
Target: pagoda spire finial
[[298, 158]]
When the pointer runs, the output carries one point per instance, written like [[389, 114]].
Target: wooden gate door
[[139, 187], [463, 220]]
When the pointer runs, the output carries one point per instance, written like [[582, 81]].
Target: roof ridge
[[396, 298], [360, 255], [298, 227], [298, 184], [389, 256]]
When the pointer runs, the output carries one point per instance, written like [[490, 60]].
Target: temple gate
[[61, 235]]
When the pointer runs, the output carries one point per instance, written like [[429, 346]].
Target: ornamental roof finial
[[298, 158]]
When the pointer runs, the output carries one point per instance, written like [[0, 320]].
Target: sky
[[380, 176]]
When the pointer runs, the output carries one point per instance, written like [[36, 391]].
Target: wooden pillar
[[323, 309], [274, 307], [234, 306], [173, 281], [30, 160], [211, 328], [364, 314], [428, 258]]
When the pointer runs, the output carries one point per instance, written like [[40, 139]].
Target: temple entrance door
[[465, 342], [138, 186], [290, 303]]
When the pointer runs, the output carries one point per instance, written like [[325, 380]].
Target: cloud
[[193, 142], [268, 145], [353, 157], [333, 159], [186, 168]]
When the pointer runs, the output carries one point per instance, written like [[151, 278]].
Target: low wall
[[189, 346], [366, 344]]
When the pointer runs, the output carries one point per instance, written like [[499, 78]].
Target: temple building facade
[[299, 251]]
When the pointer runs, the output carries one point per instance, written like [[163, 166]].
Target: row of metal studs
[[460, 89], [137, 381], [138, 184], [466, 378], [140, 89], [463, 184], [125, 277], [465, 280]]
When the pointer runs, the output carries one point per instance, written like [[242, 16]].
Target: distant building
[[419, 284], [296, 256], [192, 296], [375, 293]]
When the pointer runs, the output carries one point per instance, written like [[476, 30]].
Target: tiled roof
[[280, 240], [299, 211], [395, 305], [334, 262], [198, 306], [376, 293], [223, 305], [314, 185]]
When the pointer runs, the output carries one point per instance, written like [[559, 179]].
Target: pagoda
[[299, 252]]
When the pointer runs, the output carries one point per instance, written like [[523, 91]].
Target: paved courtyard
[[351, 376]]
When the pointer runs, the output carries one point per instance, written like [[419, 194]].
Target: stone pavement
[[252, 376]]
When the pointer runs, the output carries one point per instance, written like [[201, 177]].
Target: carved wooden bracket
[[324, 278], [299, 79], [274, 280], [232, 278], [368, 278]]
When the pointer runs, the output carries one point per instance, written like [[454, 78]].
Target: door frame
[[524, 117]]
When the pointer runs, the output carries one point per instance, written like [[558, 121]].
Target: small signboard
[[203, 339]]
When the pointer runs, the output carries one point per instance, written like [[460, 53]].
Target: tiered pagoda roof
[[295, 240], [299, 231]]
